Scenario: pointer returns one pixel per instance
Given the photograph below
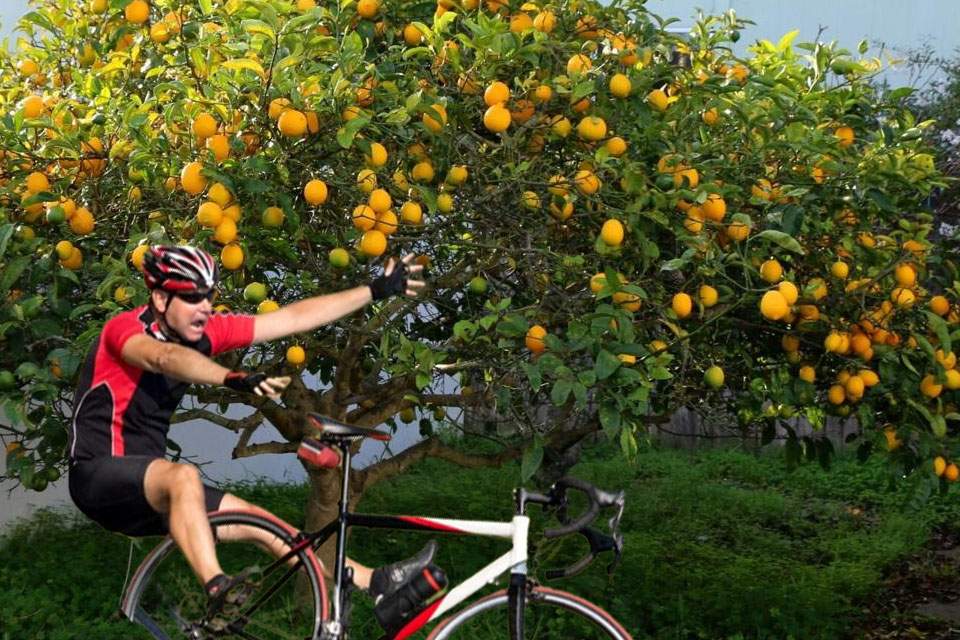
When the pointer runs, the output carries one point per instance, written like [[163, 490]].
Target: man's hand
[[257, 383], [396, 281]]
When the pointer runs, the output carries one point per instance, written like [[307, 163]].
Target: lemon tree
[[614, 220]]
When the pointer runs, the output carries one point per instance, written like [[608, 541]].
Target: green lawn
[[719, 544]]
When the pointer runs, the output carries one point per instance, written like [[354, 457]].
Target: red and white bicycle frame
[[513, 561]]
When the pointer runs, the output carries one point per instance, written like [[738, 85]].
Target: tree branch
[[204, 414], [264, 447], [433, 448]]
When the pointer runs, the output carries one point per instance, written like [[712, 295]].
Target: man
[[133, 380]]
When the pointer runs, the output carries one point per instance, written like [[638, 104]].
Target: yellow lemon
[[620, 85], [315, 192], [296, 356], [612, 233], [771, 271], [682, 304], [708, 296], [373, 243], [773, 305], [231, 257]]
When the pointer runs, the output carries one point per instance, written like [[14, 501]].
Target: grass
[[719, 544]]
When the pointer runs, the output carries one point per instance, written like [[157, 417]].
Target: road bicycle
[[290, 600]]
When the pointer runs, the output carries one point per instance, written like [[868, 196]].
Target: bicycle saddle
[[333, 430]]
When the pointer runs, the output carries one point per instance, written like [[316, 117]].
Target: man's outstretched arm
[[310, 313], [191, 366]]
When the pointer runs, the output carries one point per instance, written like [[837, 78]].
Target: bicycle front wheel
[[548, 613], [288, 602]]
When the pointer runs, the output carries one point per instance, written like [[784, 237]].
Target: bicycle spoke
[[282, 606]]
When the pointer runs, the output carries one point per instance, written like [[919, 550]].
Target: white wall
[[898, 24]]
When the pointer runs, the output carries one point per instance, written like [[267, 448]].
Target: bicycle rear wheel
[[548, 613], [288, 603]]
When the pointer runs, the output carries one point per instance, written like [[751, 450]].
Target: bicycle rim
[[286, 603], [548, 613]]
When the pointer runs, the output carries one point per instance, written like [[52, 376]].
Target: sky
[[10, 11]]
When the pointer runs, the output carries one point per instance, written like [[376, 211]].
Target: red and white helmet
[[179, 268]]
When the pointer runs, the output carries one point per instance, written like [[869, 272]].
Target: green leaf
[[781, 239], [939, 325], [533, 375], [13, 271], [561, 391], [787, 40], [628, 444], [288, 61], [673, 265], [237, 64], [259, 26], [513, 326], [926, 346], [532, 458], [906, 362], [580, 394], [881, 200], [6, 232], [610, 417], [583, 88], [921, 409], [487, 321], [465, 330], [606, 364], [587, 378], [422, 381], [347, 133], [660, 373]]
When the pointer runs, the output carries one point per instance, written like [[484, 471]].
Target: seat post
[[340, 562]]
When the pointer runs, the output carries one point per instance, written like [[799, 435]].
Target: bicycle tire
[[166, 598], [548, 613]]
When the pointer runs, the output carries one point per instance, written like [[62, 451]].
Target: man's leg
[[361, 573], [176, 489]]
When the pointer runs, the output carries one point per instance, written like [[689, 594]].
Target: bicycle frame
[[514, 560], [332, 627]]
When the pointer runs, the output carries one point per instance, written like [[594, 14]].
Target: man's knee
[[231, 502], [167, 481]]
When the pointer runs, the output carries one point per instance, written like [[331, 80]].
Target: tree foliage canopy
[[608, 211]]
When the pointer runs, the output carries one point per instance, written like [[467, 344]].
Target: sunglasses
[[196, 297]]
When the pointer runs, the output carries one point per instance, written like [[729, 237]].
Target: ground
[[921, 596]]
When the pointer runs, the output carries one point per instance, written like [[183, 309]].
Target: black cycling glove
[[394, 284], [243, 381]]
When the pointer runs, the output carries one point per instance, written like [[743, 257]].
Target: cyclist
[[134, 377]]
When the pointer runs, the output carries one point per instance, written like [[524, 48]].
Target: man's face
[[186, 313]]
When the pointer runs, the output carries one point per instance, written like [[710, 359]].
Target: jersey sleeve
[[118, 330], [229, 331]]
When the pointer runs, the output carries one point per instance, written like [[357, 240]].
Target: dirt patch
[[920, 598]]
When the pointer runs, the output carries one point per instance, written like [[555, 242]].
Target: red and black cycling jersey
[[123, 410]]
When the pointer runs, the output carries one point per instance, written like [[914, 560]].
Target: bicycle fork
[[517, 599]]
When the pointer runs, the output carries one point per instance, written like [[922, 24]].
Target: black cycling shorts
[[109, 491]]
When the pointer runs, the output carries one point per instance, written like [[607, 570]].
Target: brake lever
[[619, 501], [599, 542]]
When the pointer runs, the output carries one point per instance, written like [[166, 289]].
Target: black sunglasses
[[196, 297]]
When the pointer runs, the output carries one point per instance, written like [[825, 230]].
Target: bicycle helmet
[[179, 269]]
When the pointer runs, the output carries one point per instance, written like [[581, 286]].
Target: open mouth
[[199, 324]]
